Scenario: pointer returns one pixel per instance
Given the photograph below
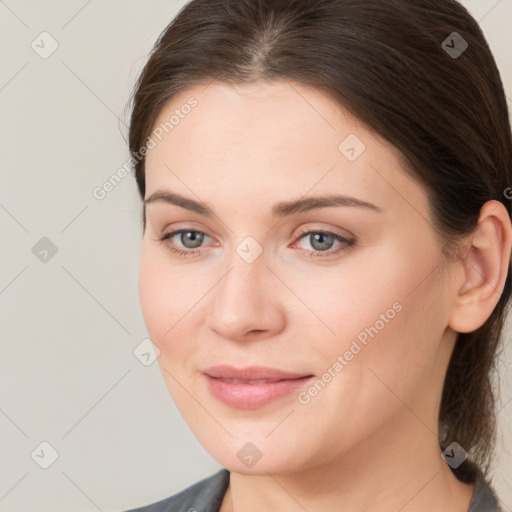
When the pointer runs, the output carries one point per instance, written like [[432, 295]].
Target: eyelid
[[183, 226], [318, 229]]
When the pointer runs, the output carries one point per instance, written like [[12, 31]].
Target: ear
[[485, 264]]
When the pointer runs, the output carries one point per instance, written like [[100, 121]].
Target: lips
[[253, 387], [239, 381], [252, 374]]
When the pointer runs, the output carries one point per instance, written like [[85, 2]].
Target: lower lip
[[252, 396]]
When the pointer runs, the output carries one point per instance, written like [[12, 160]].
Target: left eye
[[322, 241]]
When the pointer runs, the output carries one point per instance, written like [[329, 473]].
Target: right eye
[[189, 238]]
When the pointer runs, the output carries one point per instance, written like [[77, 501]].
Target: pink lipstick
[[253, 387]]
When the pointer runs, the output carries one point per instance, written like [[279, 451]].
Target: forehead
[[277, 138], [278, 110]]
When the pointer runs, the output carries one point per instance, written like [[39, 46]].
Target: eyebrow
[[282, 209]]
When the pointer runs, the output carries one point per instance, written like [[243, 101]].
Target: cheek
[[163, 297], [151, 294], [170, 297], [387, 317], [338, 304], [394, 353]]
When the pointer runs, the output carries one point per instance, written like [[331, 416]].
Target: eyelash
[[315, 254]]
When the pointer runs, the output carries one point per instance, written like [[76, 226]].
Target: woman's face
[[360, 311]]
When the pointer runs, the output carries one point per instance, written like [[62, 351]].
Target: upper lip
[[252, 373]]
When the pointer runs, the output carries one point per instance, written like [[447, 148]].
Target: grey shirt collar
[[207, 495]]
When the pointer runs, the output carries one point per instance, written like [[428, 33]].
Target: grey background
[[68, 374]]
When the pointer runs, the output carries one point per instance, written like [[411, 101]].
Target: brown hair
[[388, 63]]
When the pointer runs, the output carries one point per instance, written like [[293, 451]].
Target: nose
[[246, 302]]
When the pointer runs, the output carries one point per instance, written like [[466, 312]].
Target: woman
[[326, 249]]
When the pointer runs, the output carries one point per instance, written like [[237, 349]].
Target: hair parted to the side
[[384, 62]]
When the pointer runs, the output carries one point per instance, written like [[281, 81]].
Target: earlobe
[[485, 263]]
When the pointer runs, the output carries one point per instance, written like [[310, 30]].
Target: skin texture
[[369, 438]]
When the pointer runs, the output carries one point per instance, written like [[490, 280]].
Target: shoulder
[[203, 496]]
